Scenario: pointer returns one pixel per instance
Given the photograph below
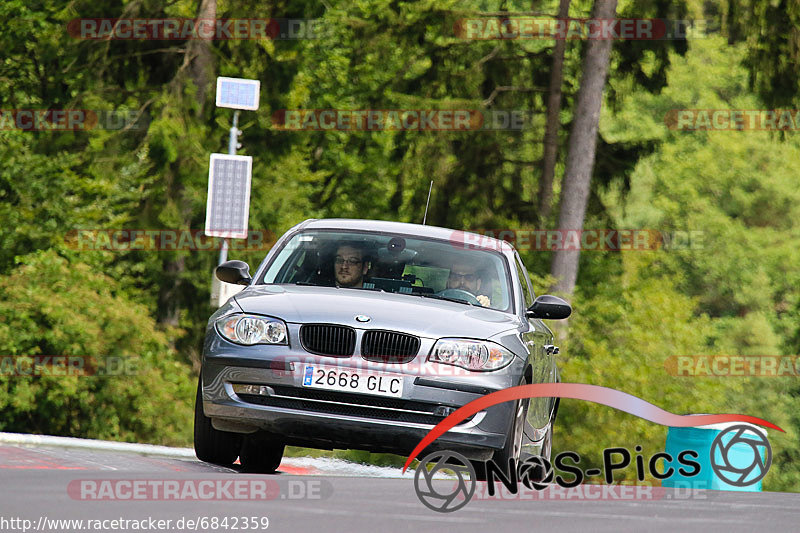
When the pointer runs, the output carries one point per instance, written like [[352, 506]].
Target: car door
[[538, 341]]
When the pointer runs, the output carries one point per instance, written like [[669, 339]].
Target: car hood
[[424, 317]]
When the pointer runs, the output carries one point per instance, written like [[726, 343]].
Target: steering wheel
[[460, 294]]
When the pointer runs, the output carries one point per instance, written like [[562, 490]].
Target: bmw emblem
[[363, 318]]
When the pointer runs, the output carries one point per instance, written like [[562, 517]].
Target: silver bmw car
[[365, 334]]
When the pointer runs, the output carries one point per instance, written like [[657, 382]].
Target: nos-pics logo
[[739, 456]]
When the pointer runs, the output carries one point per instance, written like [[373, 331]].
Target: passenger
[[464, 276], [350, 266]]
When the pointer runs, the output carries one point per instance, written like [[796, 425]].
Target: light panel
[[238, 93], [228, 203]]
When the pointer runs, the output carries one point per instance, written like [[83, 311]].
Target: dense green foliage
[[733, 291], [736, 293], [146, 396]]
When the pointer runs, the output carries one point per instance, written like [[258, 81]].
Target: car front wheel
[[261, 454], [212, 445], [513, 445]]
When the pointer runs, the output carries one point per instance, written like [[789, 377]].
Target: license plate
[[342, 379]]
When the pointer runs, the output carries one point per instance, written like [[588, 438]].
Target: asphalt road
[[42, 484]]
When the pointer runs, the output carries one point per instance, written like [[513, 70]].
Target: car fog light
[[258, 390]]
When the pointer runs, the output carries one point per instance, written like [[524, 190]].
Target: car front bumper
[[302, 416]]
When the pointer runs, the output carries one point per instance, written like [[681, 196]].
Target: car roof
[[432, 232]]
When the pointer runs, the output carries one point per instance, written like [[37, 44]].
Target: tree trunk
[[199, 58], [582, 147], [198, 63], [552, 125]]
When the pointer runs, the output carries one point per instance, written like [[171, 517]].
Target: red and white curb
[[318, 466]]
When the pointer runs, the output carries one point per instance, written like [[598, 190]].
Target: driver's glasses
[[468, 277], [350, 261]]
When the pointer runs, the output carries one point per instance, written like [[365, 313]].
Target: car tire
[[513, 445], [547, 446], [212, 445], [539, 474], [261, 454]]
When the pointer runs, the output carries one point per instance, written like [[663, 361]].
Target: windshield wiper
[[309, 284], [378, 289], [438, 297]]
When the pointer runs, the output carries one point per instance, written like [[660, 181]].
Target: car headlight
[[247, 329], [469, 354]]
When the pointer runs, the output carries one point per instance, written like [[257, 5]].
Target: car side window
[[525, 282]]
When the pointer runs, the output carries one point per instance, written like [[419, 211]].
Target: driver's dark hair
[[480, 266], [358, 245], [352, 244]]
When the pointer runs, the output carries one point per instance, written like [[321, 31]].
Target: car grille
[[348, 404], [327, 339], [389, 347]]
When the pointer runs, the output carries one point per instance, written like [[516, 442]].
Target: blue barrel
[[700, 439]]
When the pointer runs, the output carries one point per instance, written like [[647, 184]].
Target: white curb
[[89, 444]]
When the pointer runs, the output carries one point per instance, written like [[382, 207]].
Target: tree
[[770, 30], [552, 124], [582, 147]]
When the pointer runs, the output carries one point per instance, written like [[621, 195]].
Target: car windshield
[[394, 263]]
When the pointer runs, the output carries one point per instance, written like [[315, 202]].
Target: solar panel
[[238, 93], [228, 204]]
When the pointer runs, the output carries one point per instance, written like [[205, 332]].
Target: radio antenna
[[425, 217]]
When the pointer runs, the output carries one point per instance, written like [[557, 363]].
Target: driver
[[350, 266], [464, 276]]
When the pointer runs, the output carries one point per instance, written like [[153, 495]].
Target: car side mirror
[[547, 306], [236, 272]]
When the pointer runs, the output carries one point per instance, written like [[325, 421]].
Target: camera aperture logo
[[455, 497], [746, 467]]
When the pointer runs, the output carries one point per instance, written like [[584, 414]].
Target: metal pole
[[233, 142], [233, 139]]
